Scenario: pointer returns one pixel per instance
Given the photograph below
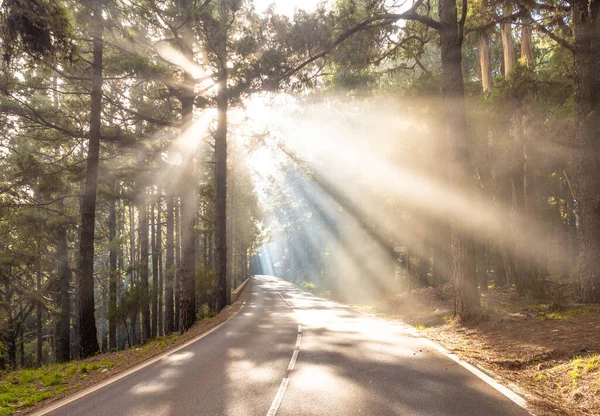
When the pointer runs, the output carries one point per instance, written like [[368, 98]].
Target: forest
[[154, 154]]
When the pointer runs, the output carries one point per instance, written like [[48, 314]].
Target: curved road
[[290, 353]]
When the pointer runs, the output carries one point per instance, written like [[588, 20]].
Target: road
[[290, 353]]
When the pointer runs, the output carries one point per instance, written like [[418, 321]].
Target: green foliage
[[42, 28]]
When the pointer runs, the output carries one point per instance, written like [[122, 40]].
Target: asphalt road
[[290, 353]]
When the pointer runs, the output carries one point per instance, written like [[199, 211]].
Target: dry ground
[[549, 352]]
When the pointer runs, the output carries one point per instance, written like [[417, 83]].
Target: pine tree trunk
[[39, 311], [159, 263], [586, 151], [62, 345], [221, 193], [177, 288], [526, 42], [170, 270], [508, 48], [188, 220], [483, 48], [114, 276], [154, 272], [467, 302], [144, 250], [87, 321]]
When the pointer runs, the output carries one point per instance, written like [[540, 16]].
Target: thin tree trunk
[[178, 264], [170, 269], [39, 311], [483, 48], [87, 321], [188, 220], [221, 188], [526, 42], [114, 276], [62, 351], [508, 48], [154, 272], [159, 263], [144, 249]]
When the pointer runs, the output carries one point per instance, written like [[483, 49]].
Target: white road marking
[[293, 361], [505, 391], [132, 370], [286, 301], [278, 397], [514, 397], [283, 386]]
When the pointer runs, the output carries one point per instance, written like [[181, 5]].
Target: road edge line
[[473, 369], [76, 396]]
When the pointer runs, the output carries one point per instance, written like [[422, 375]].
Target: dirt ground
[[126, 359], [549, 352]]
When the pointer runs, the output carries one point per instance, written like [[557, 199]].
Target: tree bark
[[188, 220], [221, 187], [87, 321], [144, 249], [63, 328], [39, 312], [154, 318], [467, 301], [526, 42], [159, 263], [113, 277], [483, 48], [170, 270], [508, 48], [586, 154], [177, 288]]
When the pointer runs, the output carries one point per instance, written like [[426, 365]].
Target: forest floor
[[549, 352], [28, 390]]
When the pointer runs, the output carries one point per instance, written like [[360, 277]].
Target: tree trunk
[[508, 48], [170, 269], [63, 327], [221, 190], [187, 269], [177, 289], [87, 321], [114, 276], [586, 151], [483, 48], [467, 302], [144, 249], [159, 263], [526, 42], [154, 271], [39, 311]]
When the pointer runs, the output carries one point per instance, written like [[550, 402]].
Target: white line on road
[[284, 383], [125, 373], [293, 361], [278, 397]]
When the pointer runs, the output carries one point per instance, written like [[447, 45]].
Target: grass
[[587, 364], [26, 387]]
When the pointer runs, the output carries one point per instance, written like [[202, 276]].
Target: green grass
[[541, 377], [420, 327], [26, 387], [564, 315]]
